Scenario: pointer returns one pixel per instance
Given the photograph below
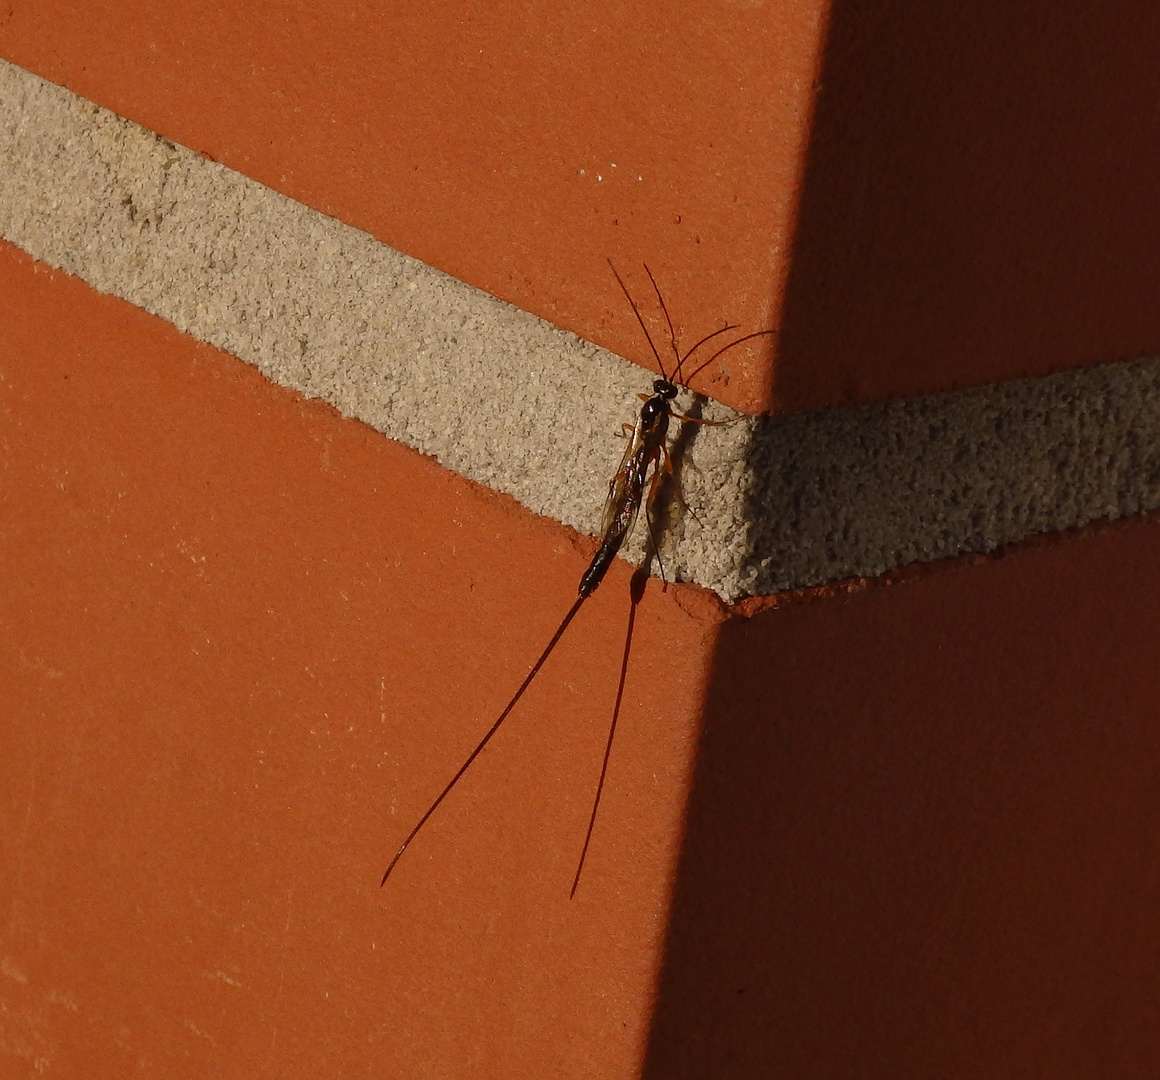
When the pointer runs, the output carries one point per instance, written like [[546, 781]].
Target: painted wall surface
[[923, 831], [515, 146], [245, 641], [244, 644], [975, 190]]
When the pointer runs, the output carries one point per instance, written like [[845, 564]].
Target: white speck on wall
[[11, 971]]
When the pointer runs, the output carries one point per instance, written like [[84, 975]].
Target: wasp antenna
[[636, 312], [668, 319], [731, 345], [707, 337]]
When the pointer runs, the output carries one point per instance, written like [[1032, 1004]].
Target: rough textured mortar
[[514, 403]]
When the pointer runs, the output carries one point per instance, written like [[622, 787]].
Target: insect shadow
[[648, 461]]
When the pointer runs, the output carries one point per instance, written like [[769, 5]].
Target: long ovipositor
[[647, 450]]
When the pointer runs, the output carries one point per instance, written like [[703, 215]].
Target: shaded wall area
[[979, 199], [924, 832]]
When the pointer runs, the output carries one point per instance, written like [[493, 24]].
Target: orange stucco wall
[[976, 202], [922, 834], [244, 643], [502, 143], [244, 640]]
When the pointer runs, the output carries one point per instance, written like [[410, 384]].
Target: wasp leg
[[648, 520], [680, 495]]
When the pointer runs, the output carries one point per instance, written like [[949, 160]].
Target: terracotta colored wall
[[921, 829], [920, 819], [976, 185], [244, 642], [922, 836], [500, 142], [978, 199]]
